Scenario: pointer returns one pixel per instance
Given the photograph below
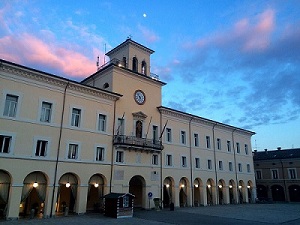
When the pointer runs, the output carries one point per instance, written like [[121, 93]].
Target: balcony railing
[[120, 63], [137, 143]]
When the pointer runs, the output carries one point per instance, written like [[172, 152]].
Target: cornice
[[32, 75], [56, 81], [91, 91], [203, 121]]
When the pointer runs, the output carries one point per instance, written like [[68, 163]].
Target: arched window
[[124, 62], [106, 85], [144, 68], [134, 64], [139, 129]]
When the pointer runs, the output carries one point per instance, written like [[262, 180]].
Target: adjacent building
[[65, 144], [277, 174]]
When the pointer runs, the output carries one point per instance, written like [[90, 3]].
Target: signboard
[[150, 194]]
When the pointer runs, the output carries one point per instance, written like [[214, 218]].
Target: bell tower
[[133, 56]]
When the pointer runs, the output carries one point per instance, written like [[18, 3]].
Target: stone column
[[226, 197], [81, 199], [14, 202]]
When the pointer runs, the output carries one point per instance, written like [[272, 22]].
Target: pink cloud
[[29, 49], [246, 36], [149, 35]]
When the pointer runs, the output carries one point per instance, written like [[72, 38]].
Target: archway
[[221, 192], [277, 193], [144, 68], [95, 193], [250, 190], [210, 189], [241, 192], [232, 189], [168, 192], [137, 186], [134, 64], [33, 195], [183, 192], [139, 129], [262, 192], [197, 192], [294, 193], [67, 193], [5, 181]]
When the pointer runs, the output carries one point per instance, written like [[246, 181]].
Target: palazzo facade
[[64, 144]]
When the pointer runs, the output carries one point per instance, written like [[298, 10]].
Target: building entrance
[[137, 188]]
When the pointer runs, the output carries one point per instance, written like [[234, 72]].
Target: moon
[[144, 15]]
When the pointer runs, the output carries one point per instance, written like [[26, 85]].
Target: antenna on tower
[[104, 53], [97, 63]]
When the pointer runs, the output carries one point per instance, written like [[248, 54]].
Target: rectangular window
[[248, 168], [154, 159], [196, 140], [240, 167], [102, 123], [238, 150], [73, 151], [100, 154], [209, 165], [274, 174], [220, 165], [183, 137], [230, 166], [120, 129], [5, 143], [75, 117], [10, 108], [292, 174], [41, 148], [207, 141], [246, 149], [155, 133], [183, 161], [169, 160], [258, 174], [197, 162], [46, 112], [219, 143], [120, 157], [169, 135], [228, 146]]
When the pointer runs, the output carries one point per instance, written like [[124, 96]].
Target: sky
[[235, 62]]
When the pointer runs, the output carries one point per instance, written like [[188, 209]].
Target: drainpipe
[[58, 147], [215, 159], [191, 162], [112, 147], [161, 161], [236, 175], [284, 181]]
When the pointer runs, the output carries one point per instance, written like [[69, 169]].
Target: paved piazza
[[250, 214]]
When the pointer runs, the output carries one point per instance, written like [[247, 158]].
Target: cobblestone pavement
[[250, 214]]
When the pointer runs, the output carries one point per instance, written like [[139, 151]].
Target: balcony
[[132, 142]]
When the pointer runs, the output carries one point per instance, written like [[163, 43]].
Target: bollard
[[172, 206], [66, 211], [32, 212]]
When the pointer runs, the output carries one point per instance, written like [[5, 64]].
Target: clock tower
[[137, 121]]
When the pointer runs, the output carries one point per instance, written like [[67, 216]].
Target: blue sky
[[236, 62]]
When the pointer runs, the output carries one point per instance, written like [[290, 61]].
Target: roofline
[[206, 120], [129, 41], [128, 70], [2, 61]]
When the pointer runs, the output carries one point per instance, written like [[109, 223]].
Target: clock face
[[139, 97]]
